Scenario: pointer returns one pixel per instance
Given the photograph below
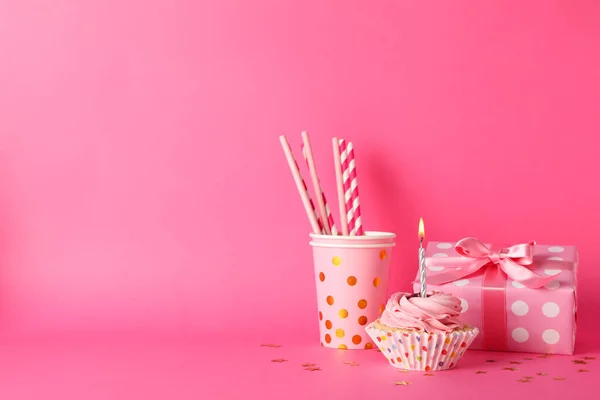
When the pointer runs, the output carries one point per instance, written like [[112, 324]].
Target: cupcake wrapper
[[419, 350]]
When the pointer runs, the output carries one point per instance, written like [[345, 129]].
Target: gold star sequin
[[541, 373], [543, 356], [314, 368], [559, 378], [528, 377], [510, 369], [428, 374], [308, 365], [523, 380], [589, 358], [402, 370], [491, 361], [402, 383], [579, 362], [480, 372], [279, 360], [583, 370], [352, 363], [270, 345], [515, 362]]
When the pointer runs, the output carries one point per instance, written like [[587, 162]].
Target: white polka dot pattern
[[435, 268], [464, 304], [519, 308], [555, 258], [461, 282], [552, 285], [439, 255], [520, 335], [550, 336], [444, 246], [550, 309], [552, 272], [517, 285], [556, 249]]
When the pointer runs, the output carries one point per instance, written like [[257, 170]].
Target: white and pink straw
[[350, 184]]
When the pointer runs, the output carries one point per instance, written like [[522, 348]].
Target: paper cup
[[352, 274], [419, 350]]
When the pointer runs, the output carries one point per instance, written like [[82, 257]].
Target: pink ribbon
[[513, 261]]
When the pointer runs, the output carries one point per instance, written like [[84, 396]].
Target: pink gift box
[[541, 320]]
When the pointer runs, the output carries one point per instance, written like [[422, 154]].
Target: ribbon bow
[[513, 261]]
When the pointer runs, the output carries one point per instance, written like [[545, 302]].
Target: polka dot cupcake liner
[[419, 350]]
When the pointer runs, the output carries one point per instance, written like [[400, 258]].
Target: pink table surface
[[238, 367]]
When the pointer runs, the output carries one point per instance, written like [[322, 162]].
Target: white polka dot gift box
[[522, 297]]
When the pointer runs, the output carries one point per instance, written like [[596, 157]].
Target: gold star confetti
[[308, 365], [583, 370], [559, 378], [402, 383], [543, 356], [578, 362], [402, 370], [510, 369], [270, 345], [491, 361], [481, 372], [312, 369], [528, 358], [279, 360], [428, 374], [514, 362], [589, 358], [528, 377], [541, 373], [352, 363], [524, 380]]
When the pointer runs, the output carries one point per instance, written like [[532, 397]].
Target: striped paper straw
[[309, 207], [339, 180], [355, 227], [330, 221]]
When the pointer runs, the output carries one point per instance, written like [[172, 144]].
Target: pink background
[[144, 192]]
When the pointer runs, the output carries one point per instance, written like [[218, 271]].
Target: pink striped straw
[[357, 228], [309, 207], [351, 188], [330, 221]]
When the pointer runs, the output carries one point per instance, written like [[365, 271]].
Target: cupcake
[[422, 334]]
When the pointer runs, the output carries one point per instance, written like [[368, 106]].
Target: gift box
[[523, 298]]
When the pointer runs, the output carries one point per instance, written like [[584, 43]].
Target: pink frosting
[[436, 312]]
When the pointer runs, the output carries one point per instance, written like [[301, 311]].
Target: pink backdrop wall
[[143, 189]]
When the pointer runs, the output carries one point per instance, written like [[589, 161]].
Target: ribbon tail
[[454, 274], [523, 275]]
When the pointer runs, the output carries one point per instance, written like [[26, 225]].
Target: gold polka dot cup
[[352, 274]]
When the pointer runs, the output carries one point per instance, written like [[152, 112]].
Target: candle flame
[[421, 229]]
